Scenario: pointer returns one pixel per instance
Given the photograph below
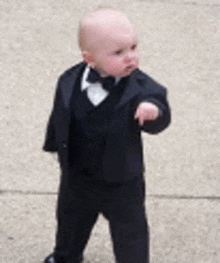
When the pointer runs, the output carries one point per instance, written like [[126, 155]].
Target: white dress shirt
[[95, 92]]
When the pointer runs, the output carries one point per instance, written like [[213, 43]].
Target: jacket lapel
[[69, 83], [133, 88]]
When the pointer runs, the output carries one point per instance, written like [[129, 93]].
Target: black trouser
[[122, 204]]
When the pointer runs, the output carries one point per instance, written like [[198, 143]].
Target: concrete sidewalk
[[179, 42]]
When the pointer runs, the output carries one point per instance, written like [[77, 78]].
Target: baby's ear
[[88, 58]]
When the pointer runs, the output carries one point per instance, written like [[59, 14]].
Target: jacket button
[[64, 145]]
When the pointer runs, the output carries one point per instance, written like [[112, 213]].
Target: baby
[[101, 106], [109, 44]]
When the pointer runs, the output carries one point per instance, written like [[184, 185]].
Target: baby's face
[[116, 53]]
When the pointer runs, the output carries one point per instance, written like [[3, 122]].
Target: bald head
[[108, 43], [98, 26]]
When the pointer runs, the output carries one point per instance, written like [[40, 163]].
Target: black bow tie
[[107, 82]]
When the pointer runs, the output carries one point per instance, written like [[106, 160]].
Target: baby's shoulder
[[140, 74], [147, 81], [75, 69]]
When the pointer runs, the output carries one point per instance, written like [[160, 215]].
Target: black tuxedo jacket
[[123, 159]]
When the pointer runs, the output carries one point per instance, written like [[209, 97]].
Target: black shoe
[[51, 259]]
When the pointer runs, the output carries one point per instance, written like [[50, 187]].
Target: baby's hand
[[146, 111]]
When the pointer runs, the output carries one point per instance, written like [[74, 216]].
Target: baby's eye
[[118, 52], [133, 47]]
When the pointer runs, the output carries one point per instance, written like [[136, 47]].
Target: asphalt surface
[[179, 43]]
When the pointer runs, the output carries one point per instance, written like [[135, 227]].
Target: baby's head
[[108, 43]]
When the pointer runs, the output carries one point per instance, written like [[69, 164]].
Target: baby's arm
[[146, 111]]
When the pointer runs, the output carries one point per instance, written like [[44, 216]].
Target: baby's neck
[[103, 75]]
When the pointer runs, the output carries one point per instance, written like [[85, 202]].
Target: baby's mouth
[[130, 68]]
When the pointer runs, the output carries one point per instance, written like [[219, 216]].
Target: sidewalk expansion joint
[[20, 192], [153, 196], [185, 197]]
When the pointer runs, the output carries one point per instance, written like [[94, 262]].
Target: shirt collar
[[85, 83]]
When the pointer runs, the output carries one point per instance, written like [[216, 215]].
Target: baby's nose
[[130, 56]]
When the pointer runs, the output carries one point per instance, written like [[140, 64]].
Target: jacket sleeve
[[158, 96], [50, 142]]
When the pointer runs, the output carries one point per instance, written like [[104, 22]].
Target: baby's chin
[[125, 73]]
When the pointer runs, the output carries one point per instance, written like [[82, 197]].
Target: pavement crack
[[21, 192], [185, 197]]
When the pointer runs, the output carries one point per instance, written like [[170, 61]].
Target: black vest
[[88, 129]]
